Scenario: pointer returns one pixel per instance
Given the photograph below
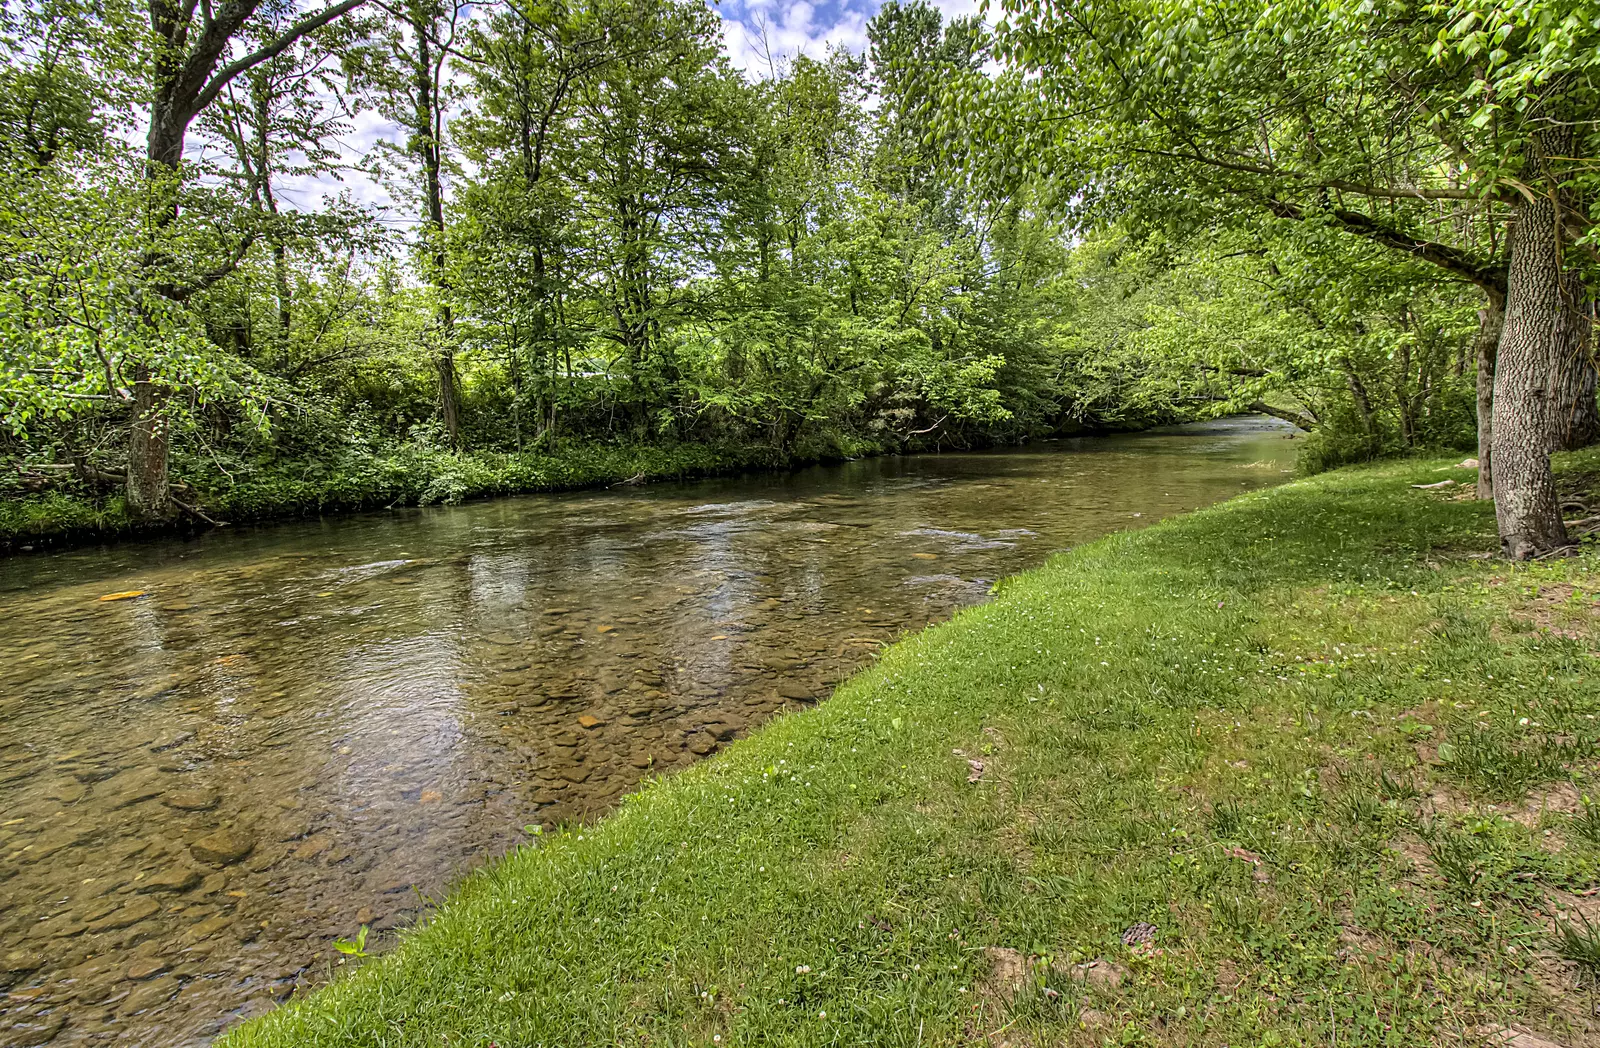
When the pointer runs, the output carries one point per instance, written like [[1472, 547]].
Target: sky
[[752, 28], [756, 34]]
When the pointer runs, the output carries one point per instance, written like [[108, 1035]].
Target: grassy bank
[[406, 477], [1300, 769]]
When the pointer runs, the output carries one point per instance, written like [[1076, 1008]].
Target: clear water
[[364, 708]]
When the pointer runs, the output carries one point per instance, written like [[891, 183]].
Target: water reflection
[[297, 730]]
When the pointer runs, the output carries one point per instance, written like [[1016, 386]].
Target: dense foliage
[[606, 235], [1451, 136]]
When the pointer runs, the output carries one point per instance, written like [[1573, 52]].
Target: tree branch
[[1489, 275], [1297, 419], [1311, 181], [285, 40]]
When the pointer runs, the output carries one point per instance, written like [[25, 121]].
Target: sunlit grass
[[1330, 757]]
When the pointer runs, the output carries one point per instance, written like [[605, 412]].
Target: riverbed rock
[[35, 1032], [294, 829], [42, 849], [96, 909], [170, 740], [589, 720], [701, 743], [61, 927], [171, 879], [795, 691], [724, 727], [130, 788], [146, 968], [122, 851], [222, 847], [129, 914], [149, 995], [198, 799], [209, 927], [66, 791], [312, 847]]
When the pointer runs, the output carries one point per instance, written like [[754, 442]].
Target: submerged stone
[[222, 847], [191, 799]]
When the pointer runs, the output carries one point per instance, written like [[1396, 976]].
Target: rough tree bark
[[1578, 425], [1544, 342], [148, 491]]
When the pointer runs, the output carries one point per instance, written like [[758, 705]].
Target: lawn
[[1304, 768]]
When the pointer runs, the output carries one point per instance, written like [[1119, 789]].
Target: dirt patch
[[1561, 609], [1008, 971], [1101, 974], [1415, 853], [1355, 941], [1571, 1003], [1511, 1037], [1445, 803], [1561, 798], [1451, 490]]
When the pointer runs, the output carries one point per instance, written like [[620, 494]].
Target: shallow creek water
[[300, 729]]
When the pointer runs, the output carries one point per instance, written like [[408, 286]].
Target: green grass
[[1335, 760]]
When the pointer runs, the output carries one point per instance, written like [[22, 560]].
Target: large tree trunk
[[1491, 322], [184, 79], [148, 497], [1544, 343]]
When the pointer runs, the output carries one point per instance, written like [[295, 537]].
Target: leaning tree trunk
[[1491, 321], [1545, 341]]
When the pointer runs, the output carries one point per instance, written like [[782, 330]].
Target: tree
[[195, 53], [516, 252], [1360, 117], [405, 74], [280, 119], [55, 81]]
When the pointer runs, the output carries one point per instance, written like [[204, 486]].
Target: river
[[293, 731]]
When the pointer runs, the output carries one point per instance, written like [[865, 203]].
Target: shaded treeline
[[602, 232]]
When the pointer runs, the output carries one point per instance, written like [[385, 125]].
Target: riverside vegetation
[[1315, 765], [1310, 766], [602, 237]]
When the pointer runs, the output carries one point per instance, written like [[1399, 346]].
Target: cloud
[[309, 192], [762, 35]]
